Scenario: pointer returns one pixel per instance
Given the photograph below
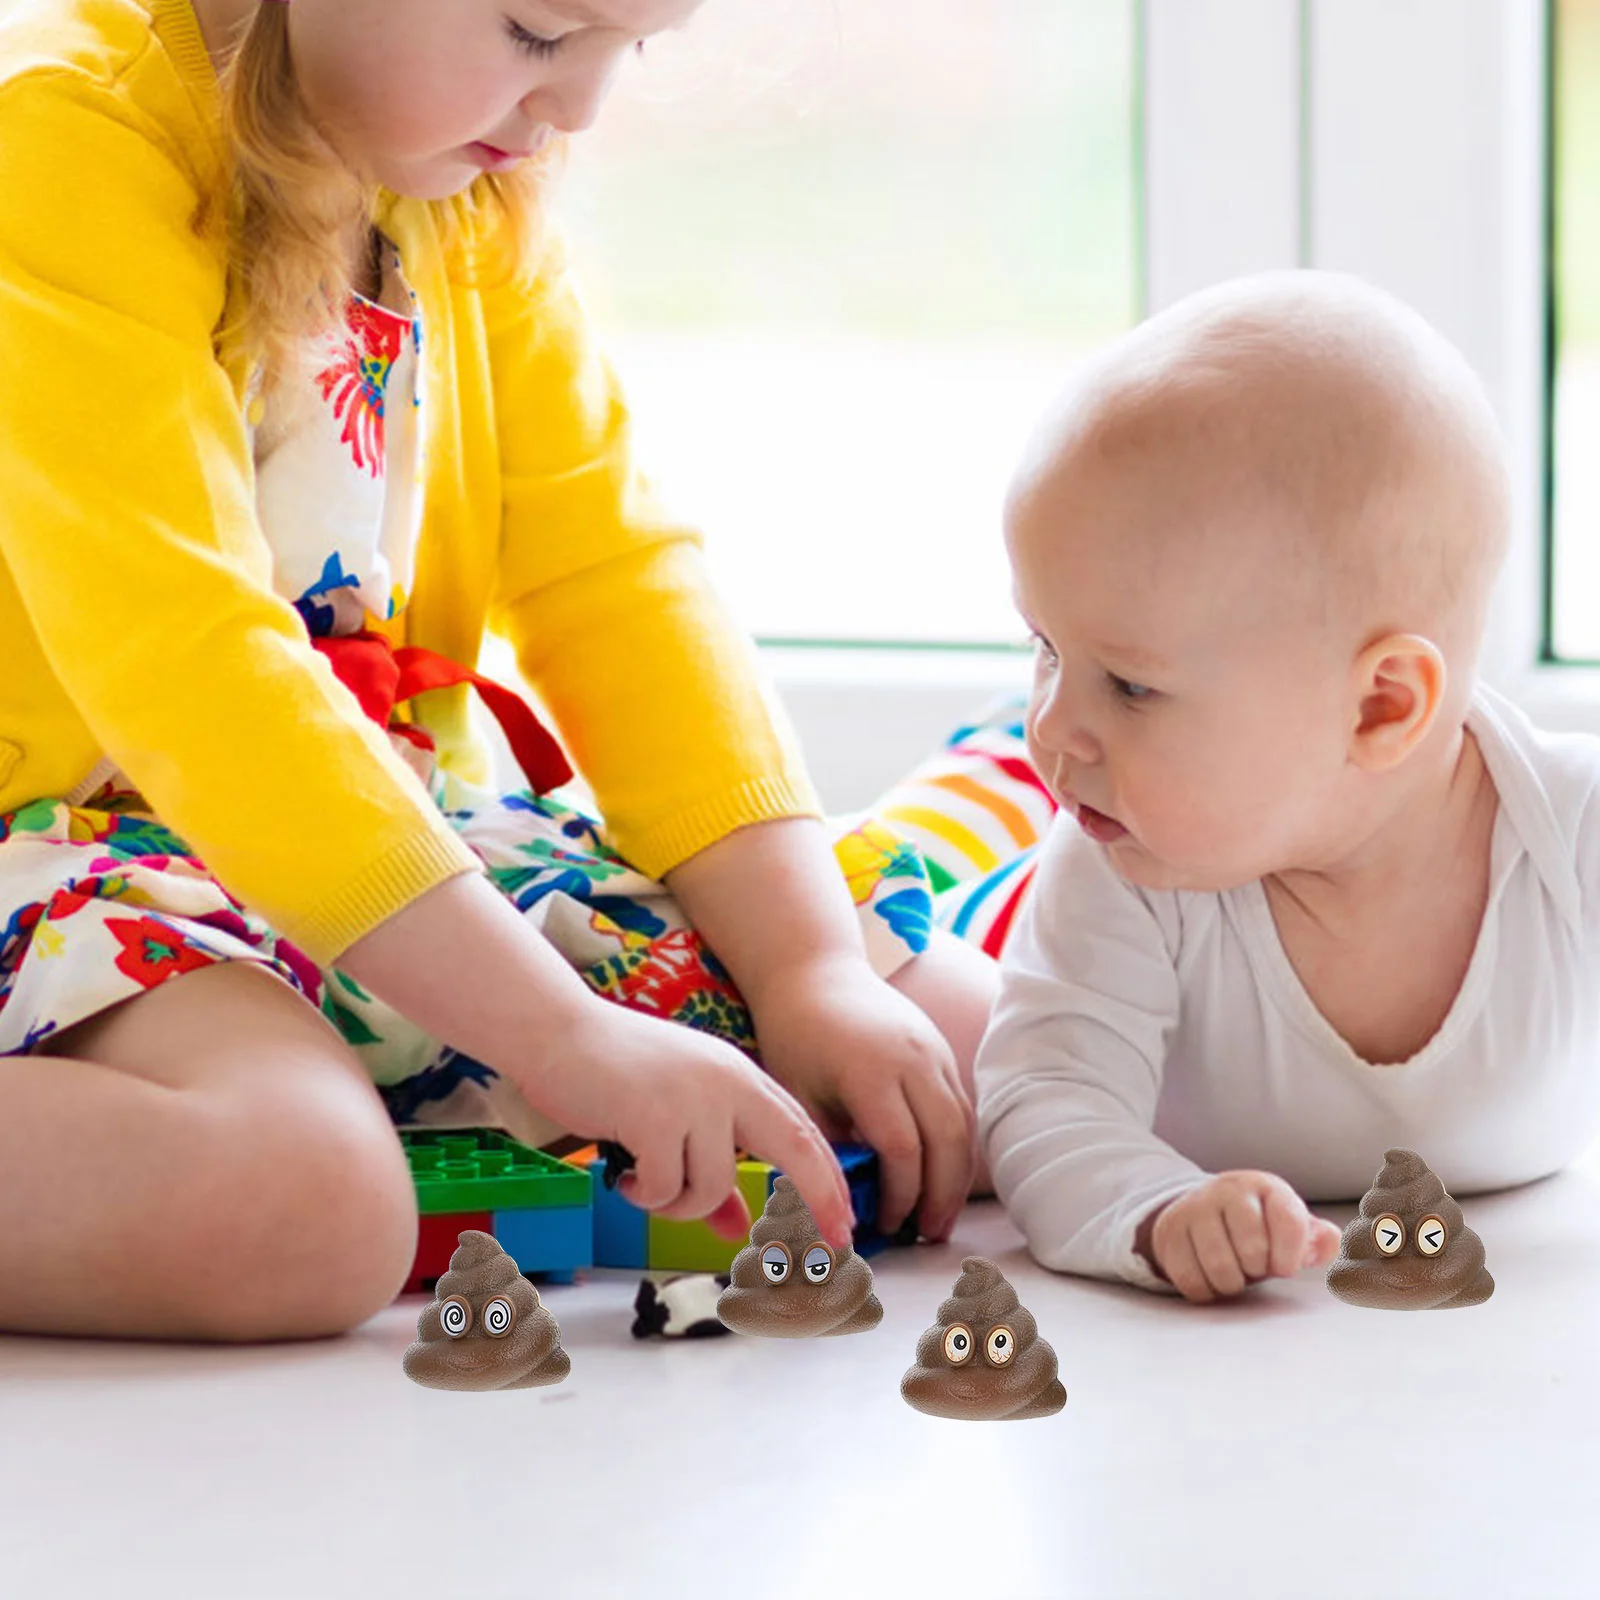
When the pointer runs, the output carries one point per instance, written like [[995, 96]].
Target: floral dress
[[100, 900]]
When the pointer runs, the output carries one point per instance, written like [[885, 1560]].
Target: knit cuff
[[420, 862], [656, 850]]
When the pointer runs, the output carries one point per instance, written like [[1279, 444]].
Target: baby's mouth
[[1101, 828]]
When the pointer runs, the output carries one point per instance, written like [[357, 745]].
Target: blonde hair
[[294, 207]]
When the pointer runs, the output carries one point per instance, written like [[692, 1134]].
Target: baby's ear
[[1399, 686]]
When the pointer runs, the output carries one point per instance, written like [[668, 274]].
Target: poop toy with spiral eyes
[[485, 1327]]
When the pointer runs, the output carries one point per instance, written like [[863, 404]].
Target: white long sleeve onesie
[[1146, 1039]]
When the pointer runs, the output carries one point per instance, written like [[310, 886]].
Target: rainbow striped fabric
[[977, 811]]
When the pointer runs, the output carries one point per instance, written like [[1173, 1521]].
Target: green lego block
[[482, 1169], [692, 1246]]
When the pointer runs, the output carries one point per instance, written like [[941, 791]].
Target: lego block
[[621, 1230], [859, 1164], [869, 1241], [482, 1169], [553, 1240], [437, 1237], [692, 1246]]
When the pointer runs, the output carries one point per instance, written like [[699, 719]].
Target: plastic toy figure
[[683, 1307], [983, 1359], [485, 1327], [788, 1284], [1409, 1249]]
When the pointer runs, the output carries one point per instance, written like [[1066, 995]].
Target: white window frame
[[1400, 139], [1428, 136]]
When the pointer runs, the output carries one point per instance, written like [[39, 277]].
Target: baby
[[1314, 891]]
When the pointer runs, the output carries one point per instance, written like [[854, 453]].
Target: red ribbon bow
[[382, 677]]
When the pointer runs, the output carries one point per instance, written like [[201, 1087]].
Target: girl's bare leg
[[206, 1161]]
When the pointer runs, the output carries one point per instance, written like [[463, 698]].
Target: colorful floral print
[[101, 901]]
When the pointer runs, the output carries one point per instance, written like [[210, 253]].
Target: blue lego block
[[859, 1164], [553, 1240], [621, 1230], [864, 1202]]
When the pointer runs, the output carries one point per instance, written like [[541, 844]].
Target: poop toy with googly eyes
[[1409, 1249], [788, 1284], [983, 1359], [485, 1327]]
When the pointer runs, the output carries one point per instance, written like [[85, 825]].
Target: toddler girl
[[299, 402]]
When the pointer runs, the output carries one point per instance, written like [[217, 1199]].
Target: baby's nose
[[1063, 737]]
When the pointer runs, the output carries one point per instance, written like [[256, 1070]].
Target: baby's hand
[[1233, 1231]]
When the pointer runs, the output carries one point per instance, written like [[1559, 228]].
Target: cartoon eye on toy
[[455, 1315], [1000, 1346], [1431, 1235], [499, 1316], [957, 1344], [818, 1263], [1388, 1233], [775, 1263]]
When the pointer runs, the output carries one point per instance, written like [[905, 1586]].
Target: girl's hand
[[683, 1102], [1232, 1231], [464, 965], [861, 1057]]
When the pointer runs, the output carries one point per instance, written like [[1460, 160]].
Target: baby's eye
[[1044, 650], [532, 43], [775, 1263], [1125, 690]]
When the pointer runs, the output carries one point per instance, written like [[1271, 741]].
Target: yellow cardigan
[[137, 619]]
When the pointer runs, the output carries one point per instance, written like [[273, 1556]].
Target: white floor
[[1288, 1446]]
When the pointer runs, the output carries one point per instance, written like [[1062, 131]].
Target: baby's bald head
[[1298, 446]]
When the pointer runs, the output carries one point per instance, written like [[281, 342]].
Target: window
[[1574, 578], [842, 252]]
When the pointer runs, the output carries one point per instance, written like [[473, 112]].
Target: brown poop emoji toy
[[485, 1327], [1408, 1249], [787, 1284], [983, 1360]]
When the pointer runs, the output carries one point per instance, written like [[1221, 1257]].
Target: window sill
[[871, 667], [866, 717]]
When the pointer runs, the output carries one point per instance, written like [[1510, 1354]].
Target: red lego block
[[437, 1238]]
